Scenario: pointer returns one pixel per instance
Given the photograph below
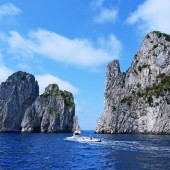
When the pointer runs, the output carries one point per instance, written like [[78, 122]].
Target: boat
[[91, 139], [78, 138]]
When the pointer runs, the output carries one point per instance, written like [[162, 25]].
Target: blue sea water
[[115, 152]]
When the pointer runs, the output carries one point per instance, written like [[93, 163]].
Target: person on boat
[[90, 137]]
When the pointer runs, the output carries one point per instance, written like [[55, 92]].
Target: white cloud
[[46, 79], [8, 10], [97, 3], [21, 46], [106, 15], [79, 52], [43, 80], [111, 45], [152, 15], [4, 71]]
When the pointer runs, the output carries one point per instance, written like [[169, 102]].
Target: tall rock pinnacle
[[138, 101]]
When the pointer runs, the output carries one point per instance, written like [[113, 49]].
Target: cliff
[[16, 95], [138, 101], [53, 111]]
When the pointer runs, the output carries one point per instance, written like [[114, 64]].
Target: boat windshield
[[77, 133]]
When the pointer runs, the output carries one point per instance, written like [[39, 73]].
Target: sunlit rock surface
[[138, 101], [53, 111]]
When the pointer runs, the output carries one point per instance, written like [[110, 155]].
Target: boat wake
[[141, 146]]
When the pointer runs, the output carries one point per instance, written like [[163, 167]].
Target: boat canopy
[[77, 132]]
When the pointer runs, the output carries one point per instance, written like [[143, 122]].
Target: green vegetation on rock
[[24, 77], [52, 111], [156, 89], [143, 66], [127, 100], [64, 95], [157, 33], [147, 36], [70, 104], [50, 93], [113, 108], [67, 97], [150, 100], [167, 37], [155, 46]]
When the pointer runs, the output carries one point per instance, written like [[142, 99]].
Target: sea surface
[[53, 151]]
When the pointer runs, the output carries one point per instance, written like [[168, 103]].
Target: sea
[[29, 151]]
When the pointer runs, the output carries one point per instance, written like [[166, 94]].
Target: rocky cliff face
[[53, 111], [76, 126], [138, 101], [16, 94]]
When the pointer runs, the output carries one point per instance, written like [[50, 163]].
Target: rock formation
[[22, 109], [138, 101], [76, 126], [16, 94], [53, 111]]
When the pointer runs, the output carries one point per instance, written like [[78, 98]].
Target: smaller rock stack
[[53, 111]]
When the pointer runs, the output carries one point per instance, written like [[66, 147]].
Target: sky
[[70, 42]]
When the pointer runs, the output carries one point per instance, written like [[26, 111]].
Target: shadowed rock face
[[53, 111], [138, 101], [16, 95]]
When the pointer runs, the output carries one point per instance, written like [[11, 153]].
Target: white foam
[[141, 146]]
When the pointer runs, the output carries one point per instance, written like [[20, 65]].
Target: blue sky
[[70, 42]]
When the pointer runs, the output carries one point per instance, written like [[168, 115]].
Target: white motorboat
[[91, 139], [78, 138]]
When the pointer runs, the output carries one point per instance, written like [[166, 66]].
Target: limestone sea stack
[[53, 111], [138, 101], [16, 94]]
